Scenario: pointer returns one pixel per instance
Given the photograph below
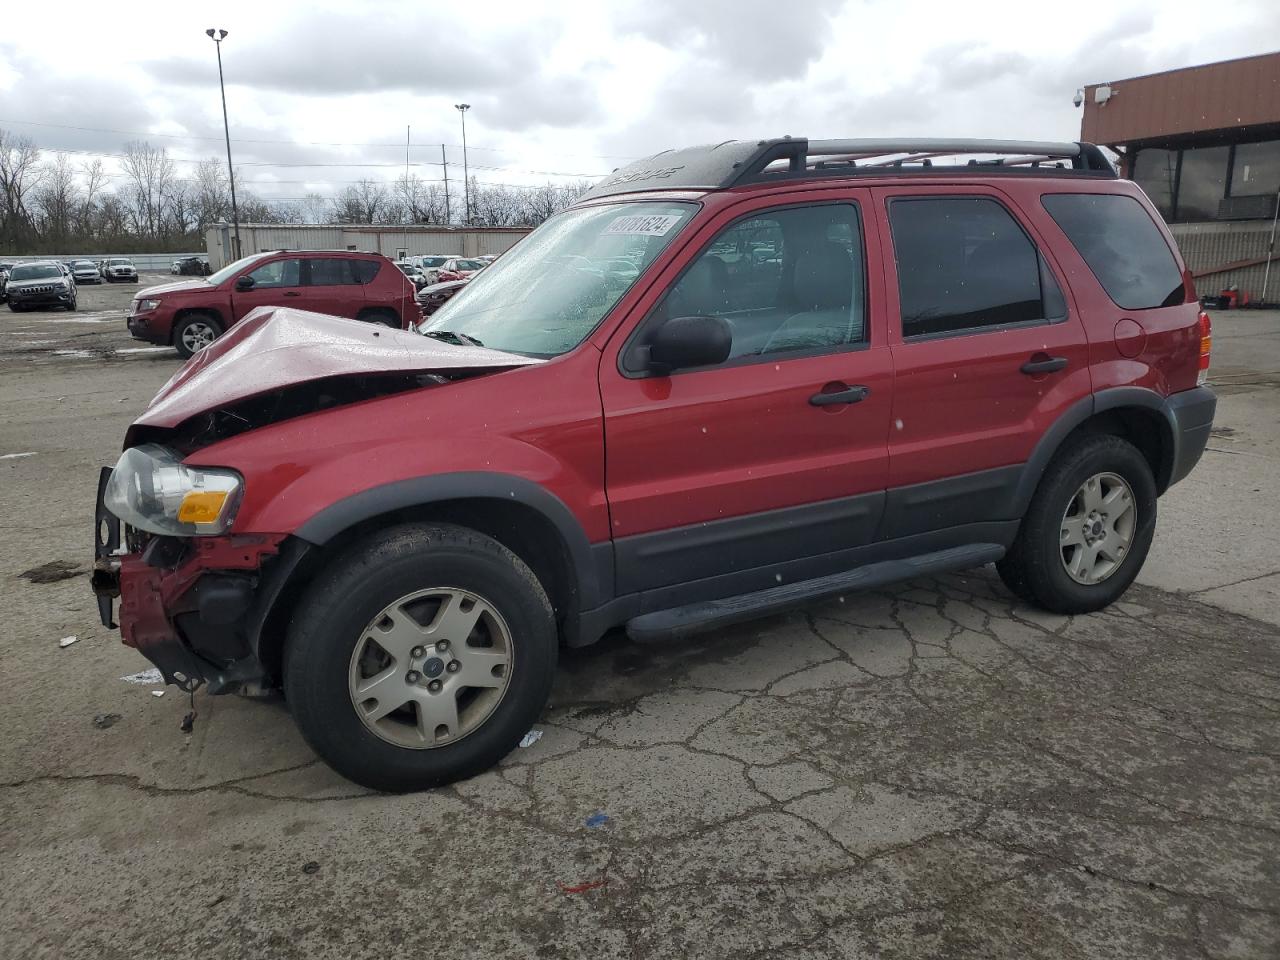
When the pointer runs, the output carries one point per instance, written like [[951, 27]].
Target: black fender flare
[[592, 566], [1113, 398]]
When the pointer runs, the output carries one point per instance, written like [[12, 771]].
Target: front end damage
[[195, 595], [195, 607]]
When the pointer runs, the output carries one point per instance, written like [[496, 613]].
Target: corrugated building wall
[[1212, 245], [390, 241]]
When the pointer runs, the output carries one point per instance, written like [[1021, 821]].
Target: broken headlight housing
[[153, 490]]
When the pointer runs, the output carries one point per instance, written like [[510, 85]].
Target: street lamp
[[217, 37], [462, 108]]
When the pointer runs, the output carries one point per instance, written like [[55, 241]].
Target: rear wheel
[[383, 316], [419, 657], [194, 332], [72, 305], [1088, 529]]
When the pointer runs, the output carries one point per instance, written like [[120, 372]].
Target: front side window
[[232, 269], [965, 264], [277, 273], [1120, 243], [785, 281], [544, 297]]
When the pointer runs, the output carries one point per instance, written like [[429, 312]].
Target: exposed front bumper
[[193, 607], [1191, 412], [52, 299]]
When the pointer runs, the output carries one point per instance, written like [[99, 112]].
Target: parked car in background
[[86, 271], [191, 314], [459, 268], [432, 298], [415, 275], [119, 270], [430, 265], [41, 283], [5, 267], [191, 267], [935, 367]]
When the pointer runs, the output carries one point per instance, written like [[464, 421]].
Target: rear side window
[[1122, 246], [365, 270], [965, 264], [331, 272]]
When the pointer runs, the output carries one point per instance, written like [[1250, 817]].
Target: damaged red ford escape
[[729, 381]]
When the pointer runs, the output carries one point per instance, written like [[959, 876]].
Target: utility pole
[[217, 36], [444, 162], [462, 108], [407, 202]]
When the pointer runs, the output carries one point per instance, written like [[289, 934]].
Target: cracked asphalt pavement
[[928, 771]]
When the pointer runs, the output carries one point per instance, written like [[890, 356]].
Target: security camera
[[1078, 99]]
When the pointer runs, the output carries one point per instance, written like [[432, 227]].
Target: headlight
[[144, 305], [151, 489]]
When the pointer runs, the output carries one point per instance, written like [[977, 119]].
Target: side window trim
[[1044, 266], [646, 323]]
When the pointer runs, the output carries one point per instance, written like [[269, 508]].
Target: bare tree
[[364, 202], [150, 173], [213, 192], [57, 199], [315, 209], [94, 178], [19, 176]]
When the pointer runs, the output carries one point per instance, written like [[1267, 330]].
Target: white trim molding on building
[[395, 242]]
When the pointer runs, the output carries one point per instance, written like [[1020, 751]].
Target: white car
[[119, 270], [430, 264]]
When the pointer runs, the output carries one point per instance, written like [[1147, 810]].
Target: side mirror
[[684, 342], [244, 283]]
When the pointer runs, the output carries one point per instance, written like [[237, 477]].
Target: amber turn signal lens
[[202, 506]]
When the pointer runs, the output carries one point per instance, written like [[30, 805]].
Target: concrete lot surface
[[927, 771]]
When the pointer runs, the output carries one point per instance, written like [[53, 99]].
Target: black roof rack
[[733, 163]]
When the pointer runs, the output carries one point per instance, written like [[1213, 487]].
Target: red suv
[[730, 380], [191, 314]]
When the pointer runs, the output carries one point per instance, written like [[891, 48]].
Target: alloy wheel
[[197, 335], [1097, 528], [431, 667]]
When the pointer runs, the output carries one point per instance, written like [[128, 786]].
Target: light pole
[[217, 37], [462, 108]]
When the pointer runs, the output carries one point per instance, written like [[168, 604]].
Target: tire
[[1050, 564], [385, 317], [71, 307], [342, 611], [192, 333], [14, 307]]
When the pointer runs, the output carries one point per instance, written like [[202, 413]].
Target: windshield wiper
[[452, 336]]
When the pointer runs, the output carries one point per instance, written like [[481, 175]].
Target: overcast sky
[[319, 93]]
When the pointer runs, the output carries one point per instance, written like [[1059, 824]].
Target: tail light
[[1206, 346]]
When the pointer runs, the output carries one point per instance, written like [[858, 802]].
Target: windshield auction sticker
[[656, 225]]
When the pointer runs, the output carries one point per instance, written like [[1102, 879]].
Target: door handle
[[1042, 363], [854, 394], [292, 293]]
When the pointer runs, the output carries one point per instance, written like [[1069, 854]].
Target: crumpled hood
[[275, 347], [177, 286]]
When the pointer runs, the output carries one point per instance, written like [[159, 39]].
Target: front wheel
[[195, 332], [419, 657], [1088, 529]]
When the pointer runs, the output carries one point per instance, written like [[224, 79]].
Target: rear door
[[332, 286], [276, 283], [988, 353], [730, 469]]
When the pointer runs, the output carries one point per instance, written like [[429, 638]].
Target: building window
[[1156, 172], [1257, 169], [1202, 183]]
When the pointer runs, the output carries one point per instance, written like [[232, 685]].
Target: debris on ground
[[311, 866], [530, 738], [68, 641], [52, 572], [104, 720], [145, 678], [157, 693], [583, 887], [597, 819], [188, 722]]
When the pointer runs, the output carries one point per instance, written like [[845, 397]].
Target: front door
[[756, 469], [987, 351], [276, 283]]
